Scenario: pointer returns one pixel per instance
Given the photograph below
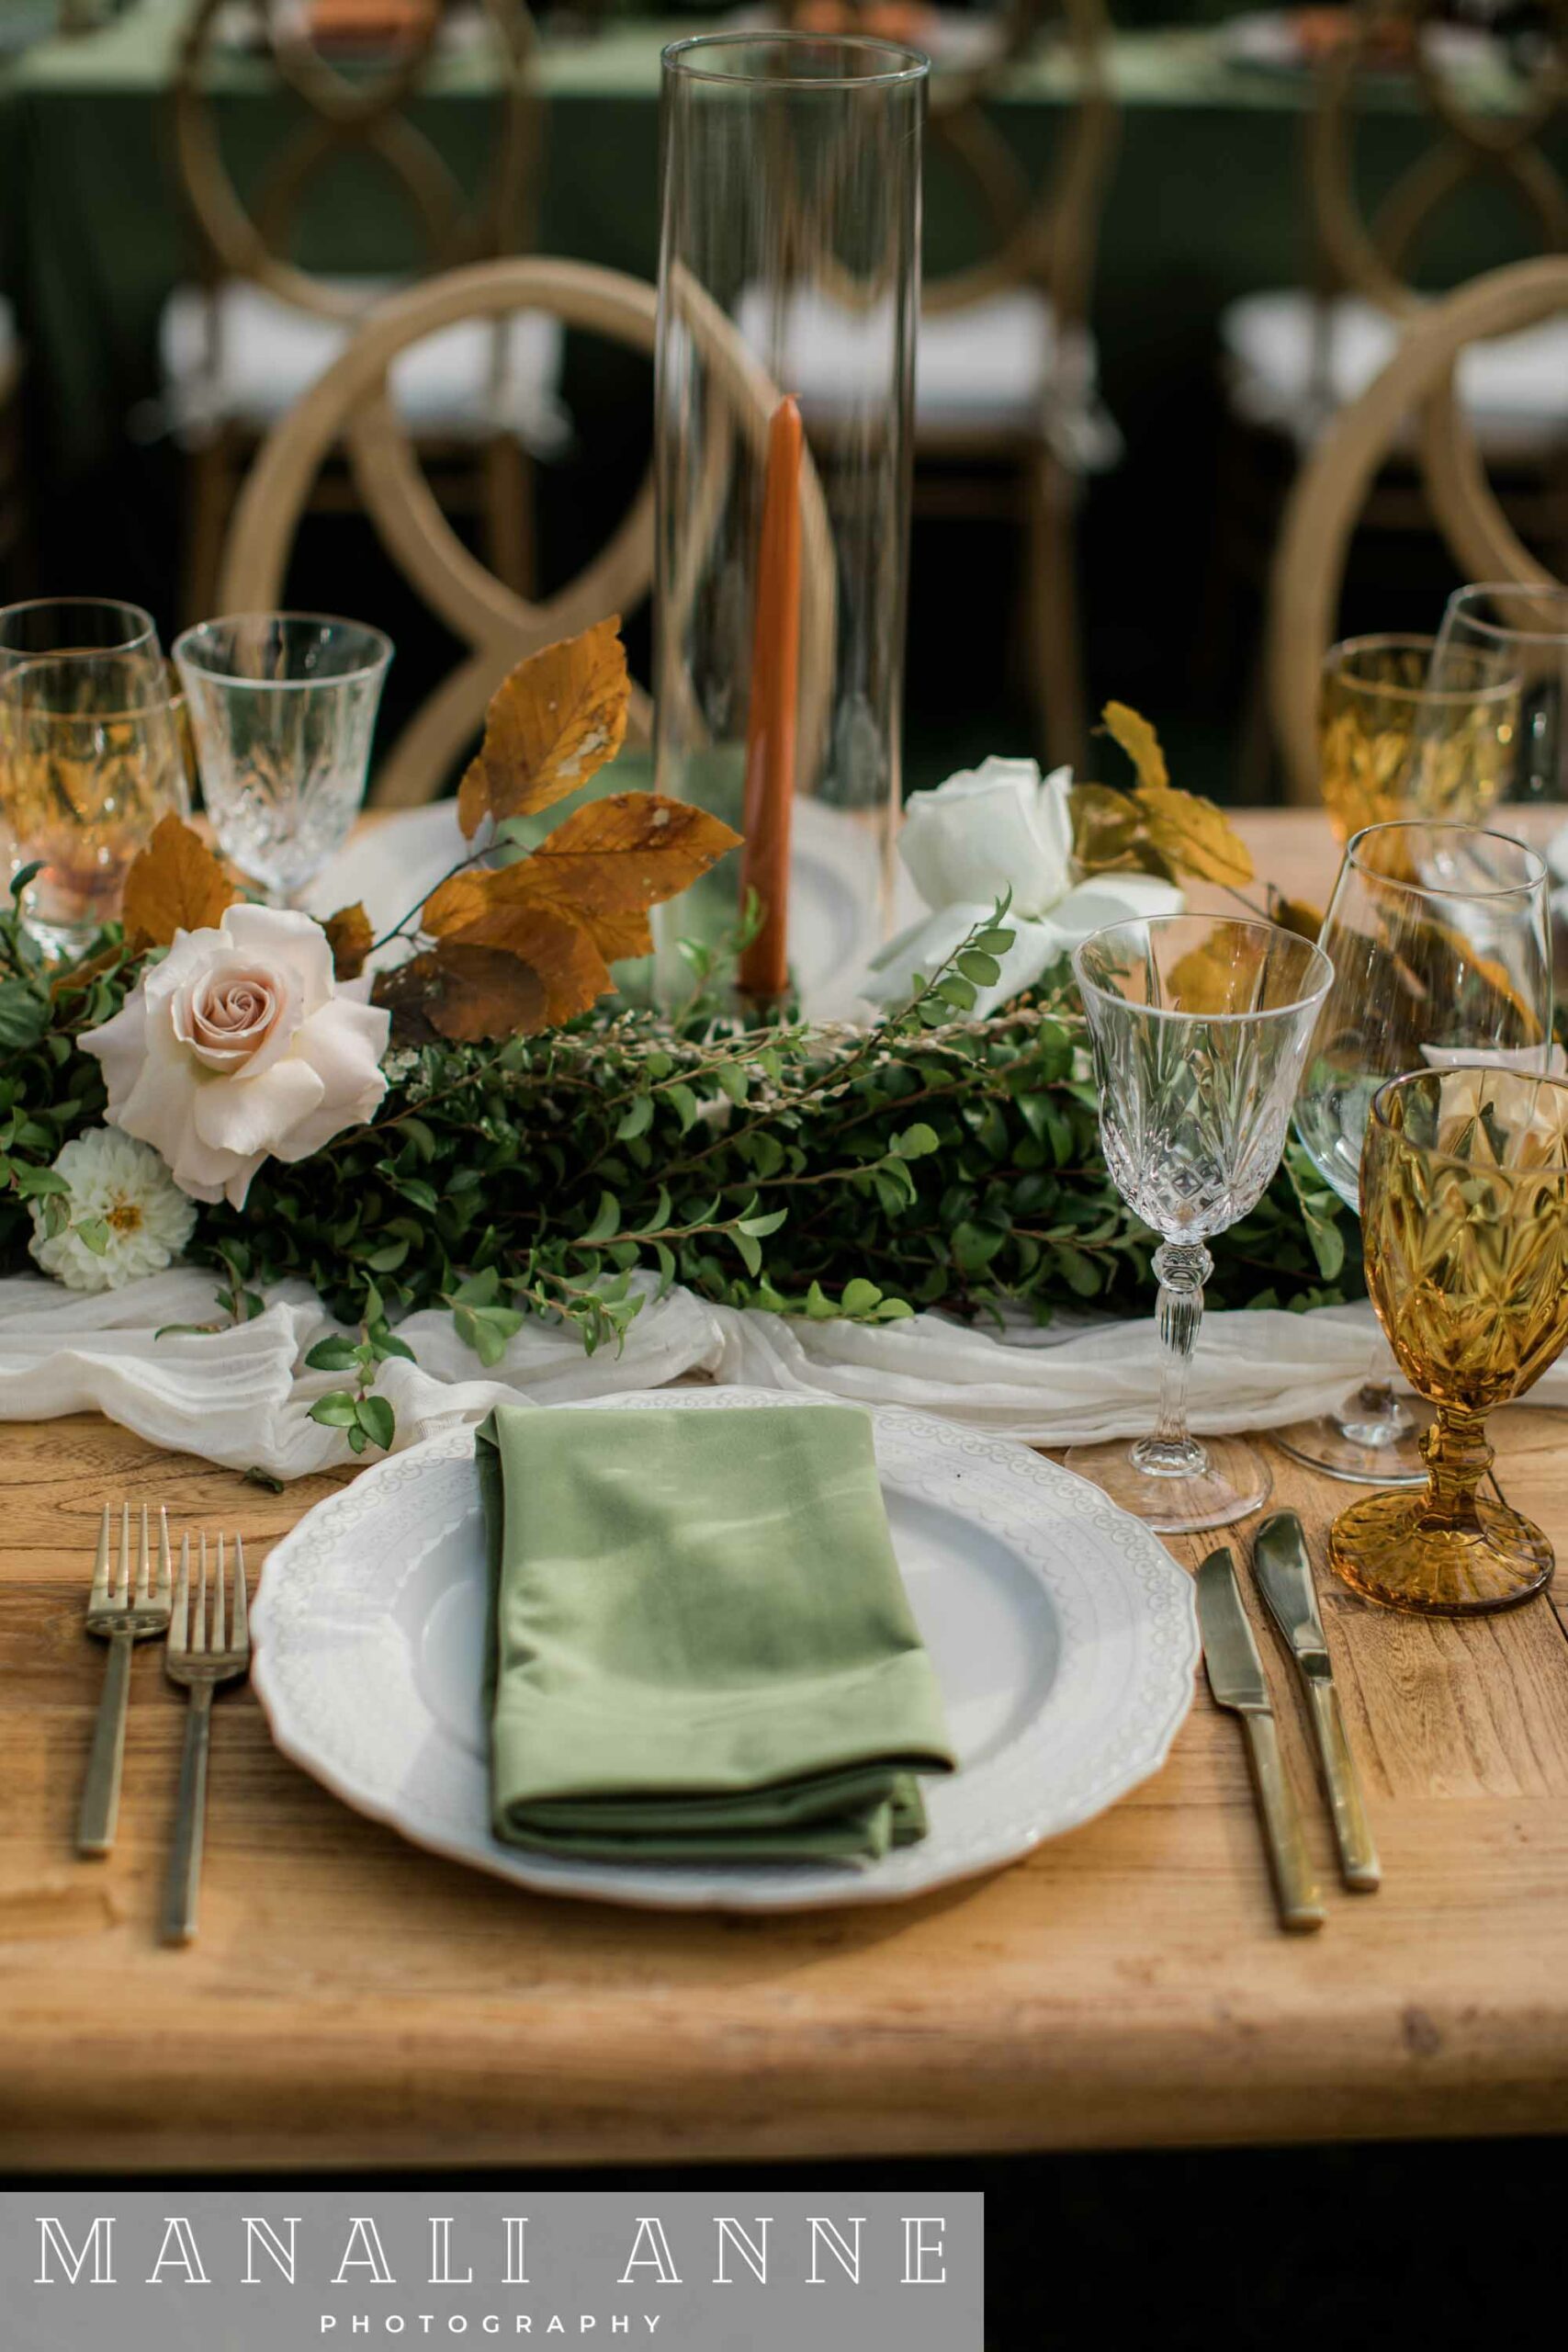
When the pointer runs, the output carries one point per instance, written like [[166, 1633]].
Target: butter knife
[[1236, 1677], [1280, 1562]]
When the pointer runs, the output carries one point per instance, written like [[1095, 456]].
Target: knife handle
[[1358, 1864], [1301, 1906]]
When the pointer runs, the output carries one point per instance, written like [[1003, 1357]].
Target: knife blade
[[1284, 1571], [1236, 1678]]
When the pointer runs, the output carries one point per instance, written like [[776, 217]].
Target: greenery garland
[[933, 1161]]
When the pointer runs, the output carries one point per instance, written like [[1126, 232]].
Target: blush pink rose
[[239, 1047]]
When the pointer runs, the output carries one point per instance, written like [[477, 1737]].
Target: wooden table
[[353, 2001]]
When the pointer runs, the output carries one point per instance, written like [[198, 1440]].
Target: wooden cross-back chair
[[243, 342], [1006, 416], [496, 623], [1333, 488], [1292, 355]]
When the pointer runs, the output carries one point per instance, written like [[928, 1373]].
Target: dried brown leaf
[[621, 856], [174, 884], [1295, 914], [351, 936], [465, 992], [550, 725], [1107, 826], [553, 944]]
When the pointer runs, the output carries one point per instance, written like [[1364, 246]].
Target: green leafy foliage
[[935, 1161]]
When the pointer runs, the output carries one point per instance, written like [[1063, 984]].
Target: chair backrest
[[363, 113], [348, 407], [1043, 234], [1332, 488], [1499, 129]]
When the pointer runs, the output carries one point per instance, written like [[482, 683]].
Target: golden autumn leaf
[[467, 993], [619, 856], [1140, 743], [552, 724], [1220, 975], [351, 936], [1107, 827], [174, 884], [551, 943], [1192, 836], [1294, 914], [466, 899]]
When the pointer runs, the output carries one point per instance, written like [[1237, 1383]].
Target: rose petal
[[286, 941], [344, 1043], [248, 1115]]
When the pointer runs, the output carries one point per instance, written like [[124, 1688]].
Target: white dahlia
[[127, 1215]]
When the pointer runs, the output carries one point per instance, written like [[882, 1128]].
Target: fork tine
[[217, 1601], [179, 1620], [99, 1596], [198, 1620], [165, 1567], [144, 1574], [122, 1582], [240, 1634]]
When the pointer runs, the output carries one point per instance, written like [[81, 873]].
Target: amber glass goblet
[[1464, 1209]]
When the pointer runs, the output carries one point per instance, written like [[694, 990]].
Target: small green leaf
[[334, 1354], [608, 1221], [636, 1119], [378, 1420], [685, 1104], [336, 1410], [94, 1232], [860, 1297]]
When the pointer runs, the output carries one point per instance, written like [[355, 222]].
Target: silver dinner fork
[[201, 1653], [122, 1614]]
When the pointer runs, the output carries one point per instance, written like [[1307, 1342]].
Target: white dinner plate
[[1062, 1634], [834, 889]]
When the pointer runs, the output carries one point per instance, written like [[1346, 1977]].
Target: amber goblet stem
[[1458, 1458]]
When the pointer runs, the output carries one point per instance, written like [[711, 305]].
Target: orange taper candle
[[770, 730]]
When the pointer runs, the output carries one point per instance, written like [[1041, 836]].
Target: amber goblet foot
[[1448, 1551]]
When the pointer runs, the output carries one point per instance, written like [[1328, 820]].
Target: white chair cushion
[[268, 353], [1292, 360], [998, 366]]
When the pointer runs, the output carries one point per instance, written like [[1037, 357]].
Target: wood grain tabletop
[[353, 2001]]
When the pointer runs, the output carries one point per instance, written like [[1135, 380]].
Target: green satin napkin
[[700, 1644]]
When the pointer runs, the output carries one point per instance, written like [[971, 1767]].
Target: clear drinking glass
[[1526, 630], [789, 265], [1439, 942], [1465, 1212], [283, 708], [1200, 1028], [90, 759], [1393, 745]]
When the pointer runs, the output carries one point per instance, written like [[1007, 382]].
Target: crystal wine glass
[[90, 759], [1465, 1211], [1439, 942], [1526, 628], [282, 707], [1200, 1028]]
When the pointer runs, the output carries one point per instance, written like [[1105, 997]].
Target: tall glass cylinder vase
[[788, 303]]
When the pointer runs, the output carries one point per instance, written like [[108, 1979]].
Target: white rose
[[997, 827], [1003, 827], [238, 1046]]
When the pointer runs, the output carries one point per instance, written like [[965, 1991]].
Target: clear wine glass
[[1199, 1028], [1523, 628], [283, 708], [1439, 942]]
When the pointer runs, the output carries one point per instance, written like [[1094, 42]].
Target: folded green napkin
[[700, 1644]]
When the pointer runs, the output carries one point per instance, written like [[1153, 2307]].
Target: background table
[[353, 2001]]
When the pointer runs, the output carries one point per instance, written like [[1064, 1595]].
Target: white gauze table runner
[[242, 1396]]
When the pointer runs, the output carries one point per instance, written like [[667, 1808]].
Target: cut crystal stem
[[1171, 1452]]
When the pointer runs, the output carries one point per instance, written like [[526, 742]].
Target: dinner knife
[[1236, 1677], [1280, 1562]]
